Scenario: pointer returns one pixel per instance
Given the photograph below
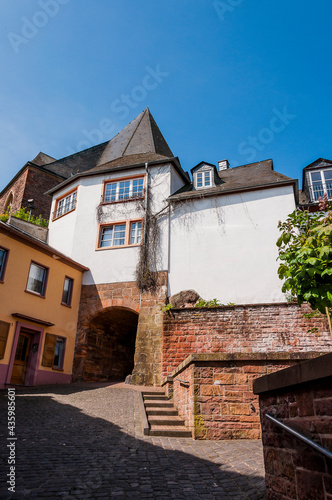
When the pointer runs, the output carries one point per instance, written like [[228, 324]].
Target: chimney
[[223, 165]]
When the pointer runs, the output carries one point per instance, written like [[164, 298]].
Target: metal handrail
[[299, 436], [186, 382]]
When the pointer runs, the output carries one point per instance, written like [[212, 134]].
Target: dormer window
[[204, 179], [320, 182]]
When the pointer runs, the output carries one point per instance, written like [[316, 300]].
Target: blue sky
[[236, 79]]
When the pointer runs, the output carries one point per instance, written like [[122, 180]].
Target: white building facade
[[130, 205]]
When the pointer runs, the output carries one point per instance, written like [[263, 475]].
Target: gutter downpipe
[[145, 214]]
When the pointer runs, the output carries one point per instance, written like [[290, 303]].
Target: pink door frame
[[34, 357]]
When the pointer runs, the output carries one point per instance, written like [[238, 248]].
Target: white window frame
[[123, 189], [135, 232], [65, 204], [326, 185], [132, 229], [204, 177], [30, 283]]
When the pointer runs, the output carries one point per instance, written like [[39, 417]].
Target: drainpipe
[[145, 213], [146, 200]]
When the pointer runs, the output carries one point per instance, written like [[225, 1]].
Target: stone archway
[[110, 344]]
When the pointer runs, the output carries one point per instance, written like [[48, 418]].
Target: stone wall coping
[[308, 371], [265, 304], [239, 356], [167, 380]]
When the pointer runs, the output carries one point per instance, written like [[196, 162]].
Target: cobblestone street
[[86, 442]]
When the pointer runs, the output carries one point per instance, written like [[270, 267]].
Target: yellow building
[[40, 292]]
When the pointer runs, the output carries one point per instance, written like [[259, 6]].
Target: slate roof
[[42, 159], [140, 141], [246, 177]]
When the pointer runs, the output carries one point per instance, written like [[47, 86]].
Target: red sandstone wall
[[31, 184], [17, 188], [249, 328], [37, 183], [294, 470], [148, 348], [222, 411]]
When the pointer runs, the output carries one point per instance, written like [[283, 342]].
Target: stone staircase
[[162, 417]]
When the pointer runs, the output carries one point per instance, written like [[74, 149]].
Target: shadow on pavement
[[62, 452]]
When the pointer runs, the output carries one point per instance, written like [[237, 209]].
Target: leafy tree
[[305, 252]]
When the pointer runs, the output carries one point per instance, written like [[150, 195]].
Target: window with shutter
[[49, 350], [4, 330]]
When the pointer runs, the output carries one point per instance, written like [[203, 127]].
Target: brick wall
[[247, 328], [96, 301], [214, 393], [300, 397], [17, 188], [37, 183], [31, 184]]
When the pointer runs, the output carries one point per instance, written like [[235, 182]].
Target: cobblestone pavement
[[86, 442]]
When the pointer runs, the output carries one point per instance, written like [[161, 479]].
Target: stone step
[[154, 398], [158, 404], [169, 431], [153, 393], [161, 411], [165, 420]]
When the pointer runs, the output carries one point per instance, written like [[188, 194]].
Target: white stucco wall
[[76, 233], [225, 247]]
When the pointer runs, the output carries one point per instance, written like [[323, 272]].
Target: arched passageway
[[110, 345]]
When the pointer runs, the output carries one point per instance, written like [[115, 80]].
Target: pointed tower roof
[[141, 136], [138, 142]]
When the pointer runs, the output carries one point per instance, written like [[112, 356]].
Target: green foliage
[[4, 217], [23, 214], [305, 252], [167, 307], [210, 303]]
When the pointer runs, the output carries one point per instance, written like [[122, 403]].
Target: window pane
[[138, 187], [60, 208], [328, 175], [110, 192], [106, 236], [58, 353], [136, 233], [207, 179], [66, 294], [199, 179], [315, 176], [3, 254], [119, 235], [124, 190], [36, 279]]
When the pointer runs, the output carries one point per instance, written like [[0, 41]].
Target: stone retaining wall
[[214, 393], [300, 397], [241, 329]]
